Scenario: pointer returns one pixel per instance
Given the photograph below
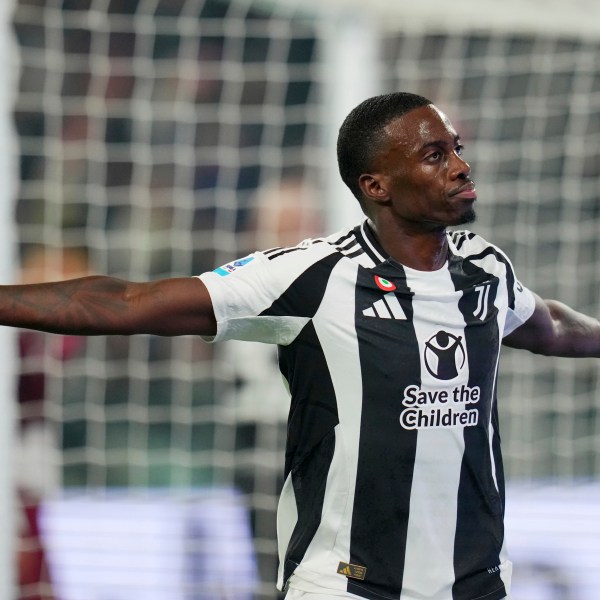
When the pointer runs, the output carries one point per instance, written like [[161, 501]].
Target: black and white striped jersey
[[394, 484]]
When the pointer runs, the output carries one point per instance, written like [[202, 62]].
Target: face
[[420, 178]]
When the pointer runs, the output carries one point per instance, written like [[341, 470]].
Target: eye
[[459, 148], [435, 155]]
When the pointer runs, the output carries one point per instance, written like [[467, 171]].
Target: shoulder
[[471, 248], [312, 249], [471, 245], [307, 251]]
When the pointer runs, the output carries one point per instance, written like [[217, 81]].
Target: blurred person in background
[[281, 213], [36, 443]]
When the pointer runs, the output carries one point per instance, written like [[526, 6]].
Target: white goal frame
[[8, 176]]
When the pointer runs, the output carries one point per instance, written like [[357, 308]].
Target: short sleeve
[[518, 301], [243, 292], [522, 308]]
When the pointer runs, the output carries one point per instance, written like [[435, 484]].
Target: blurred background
[[161, 138]]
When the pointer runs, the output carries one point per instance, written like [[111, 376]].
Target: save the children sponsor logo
[[440, 408], [445, 355], [433, 406]]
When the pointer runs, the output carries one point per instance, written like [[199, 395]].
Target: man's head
[[402, 159], [362, 134]]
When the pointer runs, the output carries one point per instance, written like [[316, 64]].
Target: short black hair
[[362, 133]]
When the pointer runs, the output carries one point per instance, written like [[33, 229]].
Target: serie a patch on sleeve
[[352, 571], [233, 266]]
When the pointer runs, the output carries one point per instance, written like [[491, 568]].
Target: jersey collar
[[369, 243]]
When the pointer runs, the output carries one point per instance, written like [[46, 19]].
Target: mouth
[[466, 191]]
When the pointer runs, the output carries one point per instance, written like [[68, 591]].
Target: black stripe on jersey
[[460, 237], [285, 251], [345, 237], [354, 254], [497, 451], [272, 253], [303, 297], [510, 276], [272, 250], [479, 527], [347, 244], [388, 351], [311, 436]]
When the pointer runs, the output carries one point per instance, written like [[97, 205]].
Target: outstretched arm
[[100, 305], [555, 329]]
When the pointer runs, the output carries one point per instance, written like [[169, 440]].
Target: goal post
[[578, 19], [350, 51], [9, 177]]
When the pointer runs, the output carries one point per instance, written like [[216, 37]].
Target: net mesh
[[165, 137], [529, 110], [160, 138]]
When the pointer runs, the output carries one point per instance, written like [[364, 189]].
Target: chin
[[467, 217]]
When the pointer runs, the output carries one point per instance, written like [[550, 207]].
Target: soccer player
[[389, 336]]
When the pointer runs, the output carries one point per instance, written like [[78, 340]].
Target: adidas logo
[[353, 571], [387, 307]]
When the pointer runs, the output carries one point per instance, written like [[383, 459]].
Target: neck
[[420, 250]]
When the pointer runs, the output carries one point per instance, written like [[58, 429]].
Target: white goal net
[[528, 107], [166, 137]]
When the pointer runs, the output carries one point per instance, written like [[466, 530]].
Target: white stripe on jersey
[[331, 543], [363, 228], [287, 517], [438, 460]]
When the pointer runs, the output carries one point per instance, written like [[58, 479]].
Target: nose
[[460, 168]]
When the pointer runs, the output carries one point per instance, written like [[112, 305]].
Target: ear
[[373, 187]]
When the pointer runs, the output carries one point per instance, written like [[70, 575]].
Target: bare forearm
[[86, 306], [576, 334], [555, 329]]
